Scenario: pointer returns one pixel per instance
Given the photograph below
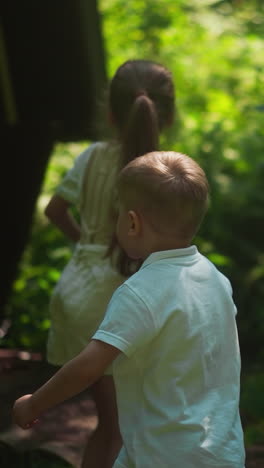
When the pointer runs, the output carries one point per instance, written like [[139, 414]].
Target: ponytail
[[141, 134], [141, 99]]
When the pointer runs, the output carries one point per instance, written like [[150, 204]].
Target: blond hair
[[170, 189]]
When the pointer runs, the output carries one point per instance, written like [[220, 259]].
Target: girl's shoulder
[[104, 157], [106, 148], [98, 150]]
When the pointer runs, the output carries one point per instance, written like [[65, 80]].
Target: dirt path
[[63, 430]]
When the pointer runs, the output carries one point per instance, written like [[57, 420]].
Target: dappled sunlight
[[215, 52]]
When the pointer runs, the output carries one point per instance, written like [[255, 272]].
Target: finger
[[31, 424]]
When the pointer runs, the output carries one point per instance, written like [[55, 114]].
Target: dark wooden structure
[[52, 71]]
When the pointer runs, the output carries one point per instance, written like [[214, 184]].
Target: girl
[[141, 104]]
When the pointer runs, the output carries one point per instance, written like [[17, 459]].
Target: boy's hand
[[23, 412], [74, 377]]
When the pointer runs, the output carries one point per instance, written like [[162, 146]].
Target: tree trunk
[[52, 72]]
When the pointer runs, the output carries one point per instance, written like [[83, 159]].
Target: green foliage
[[46, 255], [214, 49], [252, 407]]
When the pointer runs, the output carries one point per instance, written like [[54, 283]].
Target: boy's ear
[[134, 223]]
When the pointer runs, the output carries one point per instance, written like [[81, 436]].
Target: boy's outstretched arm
[[71, 379]]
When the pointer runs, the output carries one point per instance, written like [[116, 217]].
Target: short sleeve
[[71, 184], [128, 324]]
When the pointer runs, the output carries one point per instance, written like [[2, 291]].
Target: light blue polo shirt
[[178, 377]]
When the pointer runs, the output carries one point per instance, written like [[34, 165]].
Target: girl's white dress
[[80, 298]]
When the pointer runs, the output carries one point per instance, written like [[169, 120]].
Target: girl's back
[[97, 202], [89, 185], [86, 285]]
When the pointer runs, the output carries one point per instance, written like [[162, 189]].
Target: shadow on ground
[[61, 433]]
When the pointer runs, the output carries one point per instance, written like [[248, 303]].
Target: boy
[[169, 331]]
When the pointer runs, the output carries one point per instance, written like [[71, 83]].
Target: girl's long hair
[[141, 102]]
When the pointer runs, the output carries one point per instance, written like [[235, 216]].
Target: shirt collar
[[163, 254]]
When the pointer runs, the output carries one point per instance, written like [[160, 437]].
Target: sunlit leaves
[[215, 52]]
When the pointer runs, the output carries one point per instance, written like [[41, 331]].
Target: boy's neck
[[150, 239], [164, 244]]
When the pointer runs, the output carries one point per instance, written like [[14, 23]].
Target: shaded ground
[[62, 431]]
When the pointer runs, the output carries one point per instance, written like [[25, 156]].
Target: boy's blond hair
[[170, 190]]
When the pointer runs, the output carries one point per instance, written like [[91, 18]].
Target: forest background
[[215, 50]]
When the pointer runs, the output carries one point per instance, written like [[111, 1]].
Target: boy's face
[[128, 232]]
